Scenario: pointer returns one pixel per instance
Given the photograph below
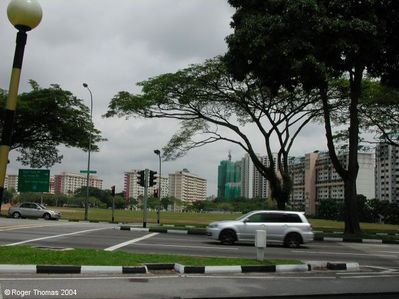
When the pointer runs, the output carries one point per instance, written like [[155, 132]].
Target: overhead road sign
[[91, 171], [33, 180]]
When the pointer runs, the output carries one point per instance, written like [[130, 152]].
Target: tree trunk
[[351, 215], [279, 196], [352, 225], [280, 204], [348, 175]]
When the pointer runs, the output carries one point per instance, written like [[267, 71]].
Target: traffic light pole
[[146, 172], [113, 203]]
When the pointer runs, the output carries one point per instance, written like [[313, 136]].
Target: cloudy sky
[[111, 45]]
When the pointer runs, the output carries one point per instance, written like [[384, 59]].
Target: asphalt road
[[379, 270], [198, 286], [108, 236]]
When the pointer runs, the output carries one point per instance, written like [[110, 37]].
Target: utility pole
[[113, 203], [146, 172]]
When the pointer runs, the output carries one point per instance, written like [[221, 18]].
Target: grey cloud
[[111, 45]]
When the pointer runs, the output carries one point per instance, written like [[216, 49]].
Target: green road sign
[[33, 180], [91, 171]]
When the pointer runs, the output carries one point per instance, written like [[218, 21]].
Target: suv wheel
[[16, 215], [293, 240], [228, 236]]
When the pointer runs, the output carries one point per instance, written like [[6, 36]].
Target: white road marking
[[187, 246], [56, 236], [371, 276], [160, 277], [344, 253], [395, 252], [22, 226], [117, 246]]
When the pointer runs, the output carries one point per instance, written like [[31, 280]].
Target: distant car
[[282, 227], [32, 210]]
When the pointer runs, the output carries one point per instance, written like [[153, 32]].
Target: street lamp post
[[89, 151], [24, 15], [158, 152]]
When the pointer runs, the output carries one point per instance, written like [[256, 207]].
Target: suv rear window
[[292, 218]]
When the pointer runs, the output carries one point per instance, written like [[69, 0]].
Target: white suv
[[282, 227]]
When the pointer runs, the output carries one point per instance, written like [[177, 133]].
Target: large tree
[[310, 42], [212, 107], [379, 113], [46, 118]]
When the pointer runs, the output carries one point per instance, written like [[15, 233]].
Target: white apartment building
[[186, 186], [387, 173], [253, 184], [67, 183], [133, 190], [11, 182], [247, 177]]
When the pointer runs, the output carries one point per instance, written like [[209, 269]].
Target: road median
[[24, 259]]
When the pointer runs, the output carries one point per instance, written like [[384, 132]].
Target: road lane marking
[[246, 277], [371, 276], [344, 253], [117, 246], [395, 252], [187, 246], [56, 236], [22, 226]]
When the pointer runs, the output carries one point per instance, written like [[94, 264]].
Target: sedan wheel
[[47, 216]]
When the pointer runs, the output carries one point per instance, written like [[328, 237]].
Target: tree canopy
[[212, 107], [309, 42], [47, 118]]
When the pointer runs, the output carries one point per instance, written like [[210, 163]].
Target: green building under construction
[[229, 179]]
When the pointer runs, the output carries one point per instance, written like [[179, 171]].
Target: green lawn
[[331, 225], [197, 219], [36, 256]]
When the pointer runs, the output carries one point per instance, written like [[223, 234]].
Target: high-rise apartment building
[[11, 182], [67, 183], [387, 172], [314, 178], [253, 184], [247, 177], [186, 186], [264, 184]]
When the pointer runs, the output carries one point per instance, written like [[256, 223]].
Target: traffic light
[[152, 178], [113, 190], [141, 178], [156, 193]]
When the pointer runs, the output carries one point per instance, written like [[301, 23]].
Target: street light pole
[[89, 151], [24, 15], [158, 152]]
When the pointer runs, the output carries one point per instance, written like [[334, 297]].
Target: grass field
[[36, 256], [330, 225], [197, 219]]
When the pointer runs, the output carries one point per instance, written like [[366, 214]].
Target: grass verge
[[36, 256]]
